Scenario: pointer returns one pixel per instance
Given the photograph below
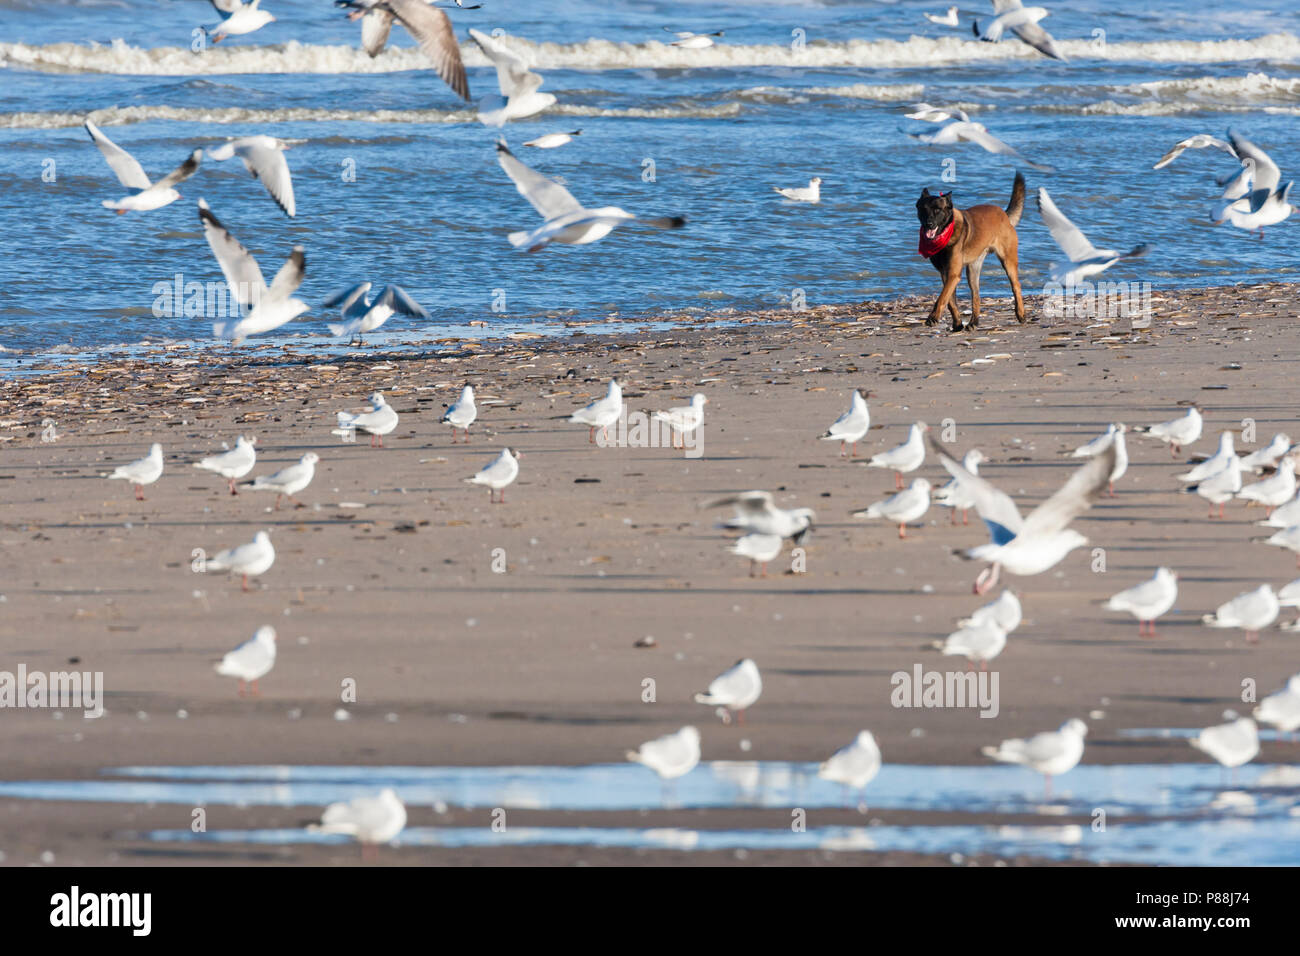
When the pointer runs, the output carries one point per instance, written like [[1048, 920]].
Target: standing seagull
[[251, 660], [1214, 464], [851, 427], [1005, 612], [378, 422], [811, 193], [1267, 457], [498, 474], [1113, 435], [952, 496], [906, 457], [240, 18], [1219, 488], [1023, 22], [267, 307], [263, 157], [232, 464], [854, 765], [566, 220], [905, 506], [287, 482], [759, 548], [683, 420], [1282, 709], [371, 820], [670, 756], [462, 413], [1177, 432], [430, 26], [143, 471], [734, 690], [1028, 546], [1148, 600], [1231, 744], [601, 413], [1051, 753], [519, 85], [1252, 611], [1277, 489], [978, 642], [247, 560], [1085, 259], [145, 195], [362, 315]]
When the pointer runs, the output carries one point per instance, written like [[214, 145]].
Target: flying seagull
[[1084, 258], [1199, 141], [145, 195], [519, 85], [1023, 22], [362, 314], [964, 131], [263, 156], [429, 25]]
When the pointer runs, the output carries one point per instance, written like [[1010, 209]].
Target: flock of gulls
[[1021, 545]]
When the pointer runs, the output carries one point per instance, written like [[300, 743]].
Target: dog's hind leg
[[973, 281]]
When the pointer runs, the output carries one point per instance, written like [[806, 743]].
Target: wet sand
[[454, 664]]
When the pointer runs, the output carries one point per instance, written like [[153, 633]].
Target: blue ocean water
[[791, 91]]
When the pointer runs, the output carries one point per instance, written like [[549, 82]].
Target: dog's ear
[[925, 192]]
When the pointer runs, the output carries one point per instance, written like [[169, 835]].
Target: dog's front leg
[[950, 278]]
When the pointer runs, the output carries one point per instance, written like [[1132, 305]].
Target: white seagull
[[1282, 709], [693, 41], [684, 419], [1288, 538], [266, 307], [1215, 463], [251, 660], [1114, 435], [566, 220], [287, 482], [936, 114], [952, 496], [498, 474], [362, 314], [378, 422], [263, 157], [461, 413], [519, 97], [1231, 744], [553, 140], [1284, 516], [851, 427], [734, 690], [905, 506], [1031, 545], [145, 195], [1005, 612], [1051, 753], [1084, 258], [142, 471], [757, 513], [903, 458], [1267, 457], [1252, 611], [371, 820], [1266, 204], [1199, 141], [965, 131], [240, 18], [759, 548], [1023, 22], [1147, 601], [430, 26], [810, 193], [1275, 490], [247, 560], [949, 19], [854, 765], [601, 413], [1177, 432], [232, 464], [1219, 488], [670, 756], [978, 642]]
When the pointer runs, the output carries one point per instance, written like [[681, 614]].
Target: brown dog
[[955, 239]]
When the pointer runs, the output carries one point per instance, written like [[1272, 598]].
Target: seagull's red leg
[[902, 531], [245, 587], [898, 479], [591, 436]]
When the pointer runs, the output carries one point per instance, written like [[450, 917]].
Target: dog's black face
[[935, 212]]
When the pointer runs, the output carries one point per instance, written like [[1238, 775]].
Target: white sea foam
[[596, 54]]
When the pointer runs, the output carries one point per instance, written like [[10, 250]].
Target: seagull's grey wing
[[346, 299], [1039, 39], [996, 509], [1067, 235], [1075, 496], [513, 76], [226, 6], [125, 167], [974, 133], [182, 172], [1267, 175], [432, 29], [395, 297], [375, 26], [240, 268], [289, 277], [548, 197], [750, 502], [268, 165], [1199, 141]]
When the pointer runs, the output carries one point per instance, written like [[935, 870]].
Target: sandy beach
[[386, 577]]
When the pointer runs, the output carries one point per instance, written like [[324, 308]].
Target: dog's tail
[[1017, 204]]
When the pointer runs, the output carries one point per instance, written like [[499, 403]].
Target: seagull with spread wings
[[145, 195], [1023, 22], [263, 157], [1029, 545], [429, 25], [965, 131], [519, 85], [1265, 203], [1085, 259]]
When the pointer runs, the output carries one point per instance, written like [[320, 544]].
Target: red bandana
[[932, 247]]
